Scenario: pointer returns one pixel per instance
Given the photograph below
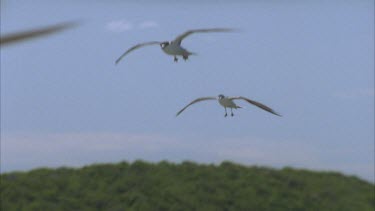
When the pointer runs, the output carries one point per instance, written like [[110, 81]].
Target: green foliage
[[185, 186]]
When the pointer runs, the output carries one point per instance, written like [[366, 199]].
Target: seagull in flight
[[228, 102], [174, 47]]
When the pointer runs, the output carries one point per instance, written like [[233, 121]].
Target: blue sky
[[65, 103]]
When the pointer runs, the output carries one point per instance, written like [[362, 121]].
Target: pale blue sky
[[65, 103]]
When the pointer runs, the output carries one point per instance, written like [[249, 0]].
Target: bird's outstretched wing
[[195, 101], [258, 104], [136, 47], [179, 38], [25, 35]]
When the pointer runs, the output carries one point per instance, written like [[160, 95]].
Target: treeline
[[186, 186]]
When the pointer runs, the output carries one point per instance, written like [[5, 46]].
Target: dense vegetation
[[185, 186]]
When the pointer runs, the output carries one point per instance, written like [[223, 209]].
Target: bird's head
[[164, 44], [221, 96]]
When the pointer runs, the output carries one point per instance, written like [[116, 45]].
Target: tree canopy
[[186, 186]]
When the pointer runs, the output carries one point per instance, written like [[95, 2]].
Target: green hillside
[[185, 186]]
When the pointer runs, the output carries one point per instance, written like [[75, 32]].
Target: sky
[[65, 103]]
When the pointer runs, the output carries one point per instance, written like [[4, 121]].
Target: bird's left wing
[[179, 38], [136, 47], [195, 101], [258, 104]]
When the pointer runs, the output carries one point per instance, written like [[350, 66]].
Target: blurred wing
[[260, 105], [195, 101], [25, 35], [136, 47], [187, 33]]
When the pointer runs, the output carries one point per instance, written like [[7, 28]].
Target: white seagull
[[174, 47], [227, 102]]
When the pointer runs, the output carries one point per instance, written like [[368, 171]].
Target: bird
[[228, 102], [174, 47]]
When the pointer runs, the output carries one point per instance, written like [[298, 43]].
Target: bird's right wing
[[136, 47], [195, 101]]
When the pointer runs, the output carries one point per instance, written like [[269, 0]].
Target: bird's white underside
[[226, 102], [175, 49]]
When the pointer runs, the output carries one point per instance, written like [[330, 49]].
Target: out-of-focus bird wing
[[25, 35]]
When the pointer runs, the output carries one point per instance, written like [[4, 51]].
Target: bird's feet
[[232, 114], [225, 115], [175, 59], [185, 57]]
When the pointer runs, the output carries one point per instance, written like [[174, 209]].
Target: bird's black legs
[[184, 57], [231, 112]]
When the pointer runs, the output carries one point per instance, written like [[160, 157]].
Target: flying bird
[[228, 102], [174, 47]]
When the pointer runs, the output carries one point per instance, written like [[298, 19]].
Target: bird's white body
[[175, 49], [228, 103]]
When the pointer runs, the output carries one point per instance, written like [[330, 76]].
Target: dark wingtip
[[117, 61], [277, 114]]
